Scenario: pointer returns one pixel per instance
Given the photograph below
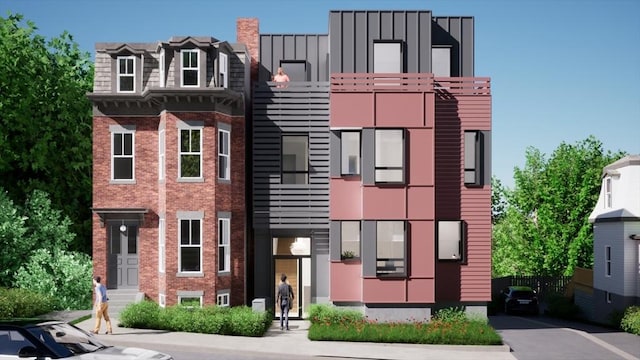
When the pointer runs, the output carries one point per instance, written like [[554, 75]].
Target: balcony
[[409, 82]]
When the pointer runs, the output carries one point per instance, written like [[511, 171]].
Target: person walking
[[284, 299], [101, 306]]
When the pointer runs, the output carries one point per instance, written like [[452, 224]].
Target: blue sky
[[561, 70]]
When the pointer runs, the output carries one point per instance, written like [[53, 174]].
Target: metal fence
[[543, 285]]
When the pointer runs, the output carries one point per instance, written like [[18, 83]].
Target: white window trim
[[608, 192], [162, 245], [180, 153], [226, 134], [224, 69], [183, 67], [403, 165], [162, 145], [224, 244], [607, 261], [181, 297], [162, 300], [132, 156], [132, 75], [161, 67], [180, 246], [222, 298]]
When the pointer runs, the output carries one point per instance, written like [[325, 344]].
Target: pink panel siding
[[345, 198], [421, 290], [384, 203], [351, 110], [422, 256], [384, 291], [420, 202], [399, 109], [420, 157], [346, 281]]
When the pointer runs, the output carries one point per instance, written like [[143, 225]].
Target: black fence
[[543, 285]]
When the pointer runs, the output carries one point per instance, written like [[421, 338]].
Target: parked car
[[520, 299], [42, 339]]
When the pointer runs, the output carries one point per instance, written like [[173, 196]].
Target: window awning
[[107, 214]]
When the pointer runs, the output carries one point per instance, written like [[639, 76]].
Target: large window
[[122, 161], [450, 240], [389, 163], [350, 152], [191, 153], [387, 57], [390, 248], [441, 61], [224, 241], [350, 239], [607, 260], [190, 245], [295, 159], [224, 166], [224, 70], [190, 69], [126, 73], [161, 245]]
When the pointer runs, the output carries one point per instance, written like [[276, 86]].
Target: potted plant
[[348, 254]]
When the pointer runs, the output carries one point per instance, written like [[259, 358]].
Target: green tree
[[545, 228], [45, 121], [12, 229]]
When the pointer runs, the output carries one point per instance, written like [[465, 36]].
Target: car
[[520, 299], [52, 339]]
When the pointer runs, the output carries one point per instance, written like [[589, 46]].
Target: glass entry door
[[297, 267]]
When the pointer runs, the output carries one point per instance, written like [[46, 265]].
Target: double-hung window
[[607, 261], [350, 239], [122, 154], [295, 159], [389, 156], [190, 68], [350, 152], [607, 192], [190, 245], [224, 242], [126, 74], [224, 166], [191, 153], [391, 248]]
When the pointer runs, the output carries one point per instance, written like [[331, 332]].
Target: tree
[[545, 228], [498, 200], [45, 121]]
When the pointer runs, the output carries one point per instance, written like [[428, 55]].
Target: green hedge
[[20, 303], [239, 320], [631, 320]]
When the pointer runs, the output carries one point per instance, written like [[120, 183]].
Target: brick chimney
[[248, 32]]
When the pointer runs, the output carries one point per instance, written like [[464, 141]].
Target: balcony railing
[[409, 82]]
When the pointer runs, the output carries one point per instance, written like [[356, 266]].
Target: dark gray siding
[[352, 33], [310, 48], [301, 108]]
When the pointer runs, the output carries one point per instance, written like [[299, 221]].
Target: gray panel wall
[[311, 48], [300, 109], [458, 33]]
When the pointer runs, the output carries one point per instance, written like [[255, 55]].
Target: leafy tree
[[45, 121], [545, 228], [498, 200], [12, 229]]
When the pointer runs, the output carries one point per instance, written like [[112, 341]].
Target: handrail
[[406, 82]]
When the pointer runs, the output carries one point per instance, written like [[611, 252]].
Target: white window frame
[[224, 70], [162, 144], [224, 154], [382, 146], [162, 300], [608, 192], [124, 133], [162, 245], [184, 67], [347, 152], [190, 245], [222, 298], [190, 152], [224, 244], [127, 74], [161, 67], [607, 261]]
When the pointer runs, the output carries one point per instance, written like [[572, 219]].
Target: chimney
[[248, 33]]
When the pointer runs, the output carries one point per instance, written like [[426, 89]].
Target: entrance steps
[[120, 298]]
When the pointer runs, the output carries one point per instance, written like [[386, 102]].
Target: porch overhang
[[106, 214]]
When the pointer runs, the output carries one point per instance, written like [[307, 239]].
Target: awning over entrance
[[120, 214]]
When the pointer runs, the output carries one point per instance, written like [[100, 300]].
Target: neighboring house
[[368, 174], [616, 239]]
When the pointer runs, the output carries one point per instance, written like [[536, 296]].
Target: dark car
[[520, 299], [37, 338]]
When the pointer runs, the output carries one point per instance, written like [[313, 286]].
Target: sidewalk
[[295, 342]]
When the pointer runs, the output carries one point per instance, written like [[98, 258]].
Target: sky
[[561, 70]]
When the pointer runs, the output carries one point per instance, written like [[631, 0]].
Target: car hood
[[124, 353]]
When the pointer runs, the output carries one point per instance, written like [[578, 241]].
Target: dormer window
[[190, 70], [126, 73], [607, 192], [224, 70]]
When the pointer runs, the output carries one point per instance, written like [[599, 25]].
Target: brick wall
[[248, 32]]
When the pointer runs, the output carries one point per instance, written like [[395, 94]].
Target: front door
[[297, 266], [123, 256]]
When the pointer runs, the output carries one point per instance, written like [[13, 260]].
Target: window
[[390, 248], [190, 69], [162, 300], [350, 237], [161, 245], [607, 261], [222, 299], [607, 192], [224, 240], [441, 61], [350, 152], [295, 69], [389, 162], [295, 159], [472, 158], [126, 74], [161, 68], [161, 154], [387, 57], [190, 301], [450, 240], [122, 162], [224, 171], [190, 245], [190, 153], [224, 70], [607, 297]]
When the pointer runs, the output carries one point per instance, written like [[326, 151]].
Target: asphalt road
[[540, 337]]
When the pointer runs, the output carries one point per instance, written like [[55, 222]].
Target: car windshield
[[65, 339], [522, 294]]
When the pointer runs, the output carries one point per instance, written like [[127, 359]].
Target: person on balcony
[[281, 77]]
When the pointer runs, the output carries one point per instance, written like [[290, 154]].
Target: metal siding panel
[[399, 25], [373, 33], [334, 240], [368, 159], [467, 47], [289, 45], [266, 57], [334, 154], [348, 38], [386, 24], [369, 251], [300, 47], [413, 50], [361, 42], [455, 31], [424, 42], [313, 58], [277, 45], [323, 58], [335, 42]]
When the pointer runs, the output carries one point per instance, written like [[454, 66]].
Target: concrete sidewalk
[[292, 343]]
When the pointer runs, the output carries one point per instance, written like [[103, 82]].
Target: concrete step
[[120, 298]]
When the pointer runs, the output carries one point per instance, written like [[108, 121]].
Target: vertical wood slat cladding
[[298, 109], [453, 115]]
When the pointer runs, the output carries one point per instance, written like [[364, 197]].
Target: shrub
[[451, 314], [562, 307], [142, 315], [631, 320], [20, 303], [325, 313]]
